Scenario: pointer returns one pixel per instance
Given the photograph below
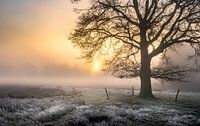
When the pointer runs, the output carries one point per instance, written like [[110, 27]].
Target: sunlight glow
[[97, 67]]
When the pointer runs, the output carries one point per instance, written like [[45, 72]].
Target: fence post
[[177, 95], [107, 94], [133, 93]]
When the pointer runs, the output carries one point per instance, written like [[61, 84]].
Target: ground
[[90, 107]]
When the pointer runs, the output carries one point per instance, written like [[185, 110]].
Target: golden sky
[[33, 42], [34, 48], [34, 34]]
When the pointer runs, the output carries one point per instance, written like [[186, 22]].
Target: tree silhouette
[[131, 32]]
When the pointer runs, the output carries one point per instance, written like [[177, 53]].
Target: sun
[[97, 66]]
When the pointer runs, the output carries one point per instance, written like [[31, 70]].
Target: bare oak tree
[[131, 32]]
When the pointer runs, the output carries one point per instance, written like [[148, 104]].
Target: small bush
[[98, 117], [77, 121]]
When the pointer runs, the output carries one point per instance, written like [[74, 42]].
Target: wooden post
[[107, 94], [177, 95], [133, 93]]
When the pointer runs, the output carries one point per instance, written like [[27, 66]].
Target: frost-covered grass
[[89, 107], [14, 91]]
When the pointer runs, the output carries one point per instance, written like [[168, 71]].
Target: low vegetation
[[79, 107], [13, 91]]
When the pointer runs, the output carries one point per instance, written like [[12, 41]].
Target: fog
[[34, 49]]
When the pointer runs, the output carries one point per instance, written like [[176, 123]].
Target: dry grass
[[13, 91]]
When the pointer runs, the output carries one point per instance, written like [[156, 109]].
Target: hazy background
[[34, 48]]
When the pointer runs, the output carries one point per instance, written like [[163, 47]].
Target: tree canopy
[[131, 32]]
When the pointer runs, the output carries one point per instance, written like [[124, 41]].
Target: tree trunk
[[145, 76]]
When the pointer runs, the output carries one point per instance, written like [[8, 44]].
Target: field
[[69, 106]]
